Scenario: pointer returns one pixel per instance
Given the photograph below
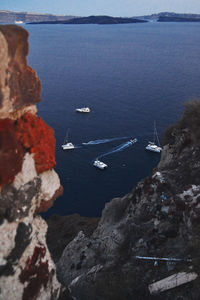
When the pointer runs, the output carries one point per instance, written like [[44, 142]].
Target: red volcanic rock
[[11, 152], [19, 84], [45, 205], [35, 274], [38, 138]]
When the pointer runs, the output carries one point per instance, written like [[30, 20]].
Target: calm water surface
[[129, 75]]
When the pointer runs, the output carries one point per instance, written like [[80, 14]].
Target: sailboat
[[83, 110], [152, 145], [67, 145]]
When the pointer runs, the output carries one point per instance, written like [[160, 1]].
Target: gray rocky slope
[[160, 218]]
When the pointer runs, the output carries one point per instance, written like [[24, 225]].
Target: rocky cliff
[[150, 234], [11, 16], [28, 183]]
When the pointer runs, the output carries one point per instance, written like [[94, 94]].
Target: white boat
[[99, 164], [133, 141], [83, 110], [19, 22], [152, 145], [67, 145]]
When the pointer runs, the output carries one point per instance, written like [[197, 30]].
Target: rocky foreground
[[28, 183]]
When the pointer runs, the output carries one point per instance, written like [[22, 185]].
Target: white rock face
[[27, 173], [50, 183], [35, 256]]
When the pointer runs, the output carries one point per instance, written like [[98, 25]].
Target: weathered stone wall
[[28, 183]]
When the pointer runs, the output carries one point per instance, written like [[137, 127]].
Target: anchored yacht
[[152, 145], [83, 110], [133, 141], [99, 164], [19, 22], [67, 145]]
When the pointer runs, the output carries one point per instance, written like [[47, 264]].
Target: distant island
[[95, 20], [167, 16], [38, 18], [178, 19]]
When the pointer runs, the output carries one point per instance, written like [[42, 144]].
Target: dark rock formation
[[72, 224], [96, 20], [28, 184], [159, 218]]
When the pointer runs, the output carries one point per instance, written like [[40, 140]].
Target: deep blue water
[[129, 75]]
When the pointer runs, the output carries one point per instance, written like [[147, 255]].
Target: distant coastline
[[169, 15], [95, 20], [42, 18], [178, 19], [26, 17]]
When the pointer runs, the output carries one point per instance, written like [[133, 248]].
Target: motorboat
[[83, 110], [154, 148], [67, 145], [19, 22], [99, 164], [152, 145], [133, 141]]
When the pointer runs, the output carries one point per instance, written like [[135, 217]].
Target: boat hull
[[154, 148], [83, 110], [99, 164], [68, 147]]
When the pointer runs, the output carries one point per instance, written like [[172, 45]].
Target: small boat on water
[[19, 22], [83, 110], [133, 141], [67, 145], [152, 145], [99, 164]]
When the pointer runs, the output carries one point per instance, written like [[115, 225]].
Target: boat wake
[[103, 141], [119, 148]]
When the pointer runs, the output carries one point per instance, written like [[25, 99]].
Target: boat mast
[[156, 134], [66, 137]]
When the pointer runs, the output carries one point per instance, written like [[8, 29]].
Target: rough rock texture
[[160, 218], [28, 184], [37, 137], [63, 229], [19, 84]]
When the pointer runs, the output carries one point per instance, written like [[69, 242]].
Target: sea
[[130, 75]]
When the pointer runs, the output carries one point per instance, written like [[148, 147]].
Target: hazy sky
[[101, 7]]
